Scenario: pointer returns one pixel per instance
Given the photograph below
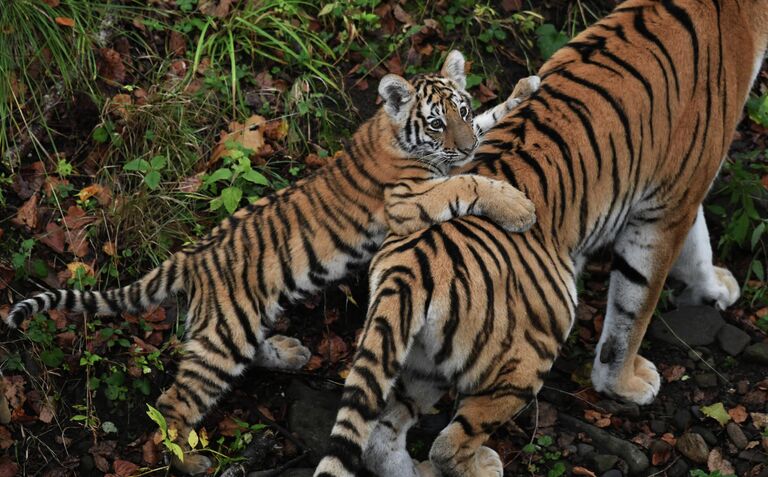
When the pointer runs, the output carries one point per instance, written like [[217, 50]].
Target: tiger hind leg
[[205, 373], [282, 352], [705, 283], [415, 393], [642, 257], [458, 451]]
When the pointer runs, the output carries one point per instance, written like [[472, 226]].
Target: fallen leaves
[[27, 214], [673, 373], [597, 418], [65, 21], [717, 412], [111, 66], [249, 136], [738, 414], [332, 348]]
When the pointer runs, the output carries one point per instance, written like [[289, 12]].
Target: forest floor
[[121, 137]]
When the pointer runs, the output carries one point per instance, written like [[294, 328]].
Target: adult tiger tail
[[299, 240], [618, 147]]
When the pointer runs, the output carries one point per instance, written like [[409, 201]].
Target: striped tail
[[377, 365], [148, 291]]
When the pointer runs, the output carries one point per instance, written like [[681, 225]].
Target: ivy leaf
[[192, 439], [231, 198], [549, 40], [52, 357], [717, 412], [222, 174], [158, 162]]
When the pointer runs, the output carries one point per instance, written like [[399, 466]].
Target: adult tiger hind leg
[[705, 284], [643, 255]]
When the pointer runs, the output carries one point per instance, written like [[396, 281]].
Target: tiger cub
[[297, 241]]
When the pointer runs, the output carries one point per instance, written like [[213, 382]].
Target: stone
[[286, 473], [708, 436], [732, 339], [604, 462], [694, 325], [658, 426], [682, 419], [585, 450], [311, 415], [612, 473], [635, 458], [706, 380], [678, 469], [756, 353], [694, 447], [736, 435], [616, 408]]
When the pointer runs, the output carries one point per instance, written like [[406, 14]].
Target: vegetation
[[127, 131]]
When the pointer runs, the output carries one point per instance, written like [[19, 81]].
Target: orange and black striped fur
[[618, 147], [297, 241]]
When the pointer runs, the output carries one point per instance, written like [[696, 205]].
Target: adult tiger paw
[[193, 464], [639, 385], [721, 292], [487, 463]]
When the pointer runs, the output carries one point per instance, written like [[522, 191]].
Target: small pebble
[[736, 435]]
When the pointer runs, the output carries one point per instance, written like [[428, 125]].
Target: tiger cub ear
[[396, 92], [453, 68]]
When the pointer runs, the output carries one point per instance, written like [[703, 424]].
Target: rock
[[706, 380], [285, 473], [311, 415], [682, 419], [661, 449], [742, 387], [585, 450], [678, 469], [693, 446], [634, 457], [736, 435], [694, 325], [752, 455], [756, 353], [628, 409], [708, 436], [604, 462], [732, 339], [613, 473], [658, 426]]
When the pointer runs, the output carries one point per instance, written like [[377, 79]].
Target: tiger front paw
[[510, 208], [523, 90]]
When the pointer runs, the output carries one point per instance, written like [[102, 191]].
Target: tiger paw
[[523, 89], [283, 352], [426, 469], [509, 207], [193, 464], [721, 293], [487, 463], [639, 385]]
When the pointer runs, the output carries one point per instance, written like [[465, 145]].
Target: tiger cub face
[[432, 114]]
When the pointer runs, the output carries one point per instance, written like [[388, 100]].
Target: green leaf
[[157, 162], [328, 8], [230, 197], [101, 134], [549, 40], [717, 412], [255, 177], [109, 427], [192, 439], [152, 179], [740, 227], [758, 270], [40, 268], [52, 357], [473, 80], [176, 449], [757, 234], [136, 165], [158, 419], [218, 175], [529, 448]]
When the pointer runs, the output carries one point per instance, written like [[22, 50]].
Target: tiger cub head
[[432, 114]]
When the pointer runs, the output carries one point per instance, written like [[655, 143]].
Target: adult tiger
[[619, 146], [297, 241]]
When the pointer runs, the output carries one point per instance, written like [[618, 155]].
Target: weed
[[546, 457]]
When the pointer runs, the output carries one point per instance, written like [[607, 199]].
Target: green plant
[[151, 170], [549, 40], [757, 108], [703, 473], [544, 453], [235, 178]]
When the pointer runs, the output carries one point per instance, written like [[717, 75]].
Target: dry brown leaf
[[332, 348], [738, 414], [715, 462], [73, 267], [228, 427], [13, 389], [249, 136], [759, 419], [8, 468], [88, 192], [674, 373], [123, 468], [77, 242], [27, 214], [597, 418], [46, 414], [177, 43], [111, 66], [7, 275], [661, 456], [190, 184], [402, 16], [511, 5], [118, 105], [53, 237], [276, 129], [76, 218], [110, 249], [315, 362], [59, 318], [65, 21], [214, 8], [52, 3], [6, 440], [579, 470]]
